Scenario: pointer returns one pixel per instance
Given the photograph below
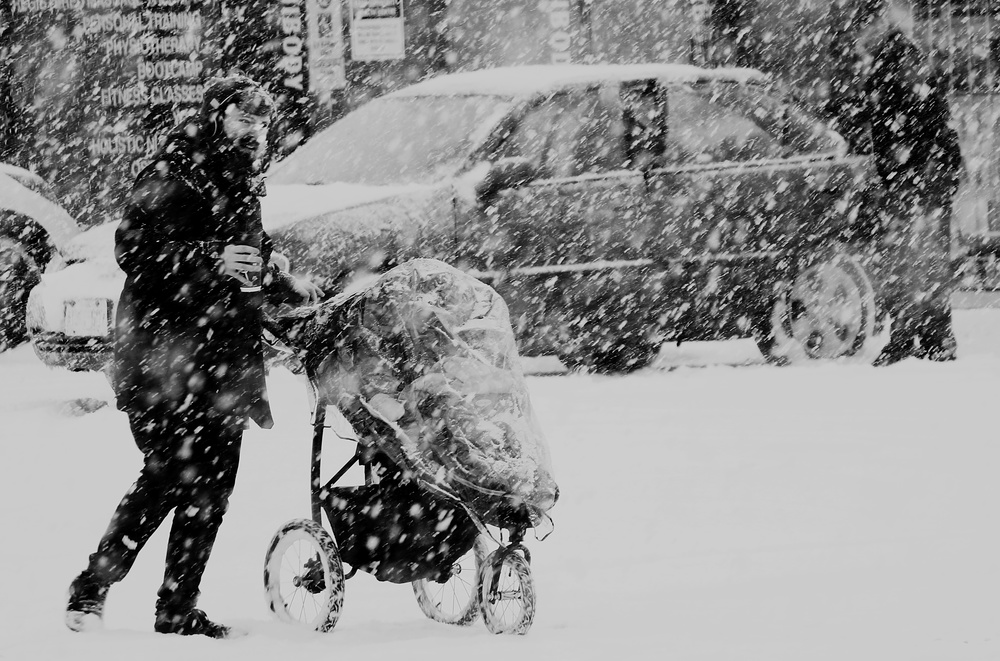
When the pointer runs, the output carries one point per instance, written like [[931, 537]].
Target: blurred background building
[[89, 87]]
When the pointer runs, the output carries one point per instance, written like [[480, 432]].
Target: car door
[[573, 212], [730, 193], [719, 181], [581, 213]]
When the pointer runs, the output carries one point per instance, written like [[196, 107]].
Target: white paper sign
[[326, 47], [377, 30]]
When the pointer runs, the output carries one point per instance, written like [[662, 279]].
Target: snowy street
[[710, 509]]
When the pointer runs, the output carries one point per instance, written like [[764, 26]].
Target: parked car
[[34, 230], [70, 313], [613, 206]]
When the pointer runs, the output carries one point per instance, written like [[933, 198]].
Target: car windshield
[[393, 140]]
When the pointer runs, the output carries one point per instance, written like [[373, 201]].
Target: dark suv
[[613, 206]]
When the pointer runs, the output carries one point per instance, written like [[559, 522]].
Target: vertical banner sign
[[701, 12], [292, 63], [326, 48], [377, 30], [293, 78], [267, 40], [560, 30]]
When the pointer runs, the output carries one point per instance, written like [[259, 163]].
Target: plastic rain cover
[[430, 352]]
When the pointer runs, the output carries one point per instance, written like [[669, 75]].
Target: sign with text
[[99, 83], [326, 47], [146, 72], [377, 30]]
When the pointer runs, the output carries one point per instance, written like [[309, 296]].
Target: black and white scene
[[538, 329]]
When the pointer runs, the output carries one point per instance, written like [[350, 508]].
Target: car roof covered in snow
[[528, 80]]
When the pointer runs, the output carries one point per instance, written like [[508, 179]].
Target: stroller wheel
[[303, 576], [456, 601], [507, 593]]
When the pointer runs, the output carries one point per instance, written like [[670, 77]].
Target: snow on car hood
[[95, 244], [285, 204], [59, 225], [92, 273], [77, 282]]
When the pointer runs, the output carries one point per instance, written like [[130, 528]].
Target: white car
[[71, 311], [34, 233]]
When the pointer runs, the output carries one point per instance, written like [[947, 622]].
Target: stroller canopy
[[425, 367]]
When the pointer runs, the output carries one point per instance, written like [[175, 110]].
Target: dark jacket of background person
[[916, 151], [186, 335], [917, 156]]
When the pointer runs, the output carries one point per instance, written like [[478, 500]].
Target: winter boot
[[192, 623], [937, 338], [943, 351], [85, 606], [898, 348]]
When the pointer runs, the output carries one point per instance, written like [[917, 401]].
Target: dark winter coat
[[914, 147], [186, 336], [918, 159]]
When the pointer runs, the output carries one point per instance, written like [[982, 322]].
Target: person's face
[[246, 131]]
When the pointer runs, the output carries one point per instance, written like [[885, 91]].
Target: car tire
[[20, 270], [828, 311]]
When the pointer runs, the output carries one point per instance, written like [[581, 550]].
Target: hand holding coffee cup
[[243, 263]]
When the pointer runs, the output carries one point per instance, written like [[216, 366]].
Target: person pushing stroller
[[188, 360]]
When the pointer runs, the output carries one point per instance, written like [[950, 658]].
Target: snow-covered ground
[[712, 507]]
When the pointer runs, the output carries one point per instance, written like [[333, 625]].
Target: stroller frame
[[503, 590]]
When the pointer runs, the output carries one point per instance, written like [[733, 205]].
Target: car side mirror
[[512, 172]]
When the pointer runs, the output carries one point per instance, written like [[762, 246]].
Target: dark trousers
[[917, 276], [190, 468]]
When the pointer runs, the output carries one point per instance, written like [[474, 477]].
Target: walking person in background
[[188, 359], [917, 157]]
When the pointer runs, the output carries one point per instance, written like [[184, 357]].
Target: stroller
[[424, 367]]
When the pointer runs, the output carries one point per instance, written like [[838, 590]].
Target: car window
[[799, 132], [395, 140], [702, 129], [565, 135]]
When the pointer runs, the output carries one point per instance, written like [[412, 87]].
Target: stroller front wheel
[[303, 576], [507, 592], [456, 601]]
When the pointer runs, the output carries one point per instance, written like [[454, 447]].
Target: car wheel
[[829, 311], [19, 272]]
